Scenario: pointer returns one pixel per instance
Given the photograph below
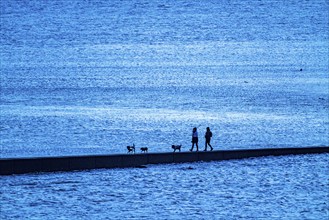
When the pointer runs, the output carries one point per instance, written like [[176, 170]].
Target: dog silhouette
[[131, 149], [176, 147]]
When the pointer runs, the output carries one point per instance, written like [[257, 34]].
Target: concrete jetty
[[9, 166]]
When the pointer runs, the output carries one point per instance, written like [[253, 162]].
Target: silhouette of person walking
[[208, 136], [195, 139]]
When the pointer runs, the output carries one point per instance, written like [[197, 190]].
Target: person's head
[[208, 129], [194, 129]]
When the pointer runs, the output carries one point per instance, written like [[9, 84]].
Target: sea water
[[288, 187], [91, 77]]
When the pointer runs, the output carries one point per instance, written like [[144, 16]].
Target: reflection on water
[[288, 187], [91, 77], [87, 77]]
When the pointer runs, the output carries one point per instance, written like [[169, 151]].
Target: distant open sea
[[91, 77]]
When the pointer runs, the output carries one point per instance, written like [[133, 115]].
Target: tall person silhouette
[[208, 136], [195, 139]]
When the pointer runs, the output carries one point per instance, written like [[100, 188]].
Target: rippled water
[[289, 187], [91, 77]]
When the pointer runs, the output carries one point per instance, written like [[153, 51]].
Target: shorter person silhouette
[[195, 139], [208, 136]]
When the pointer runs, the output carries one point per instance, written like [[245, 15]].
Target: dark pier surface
[[10, 166]]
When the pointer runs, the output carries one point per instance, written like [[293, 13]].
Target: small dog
[[144, 149], [176, 147], [131, 149]]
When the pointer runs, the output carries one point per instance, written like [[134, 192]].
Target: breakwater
[[10, 166]]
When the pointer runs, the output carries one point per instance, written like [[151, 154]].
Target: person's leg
[[211, 148]]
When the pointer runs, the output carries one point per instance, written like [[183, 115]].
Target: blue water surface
[[288, 187], [91, 77]]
